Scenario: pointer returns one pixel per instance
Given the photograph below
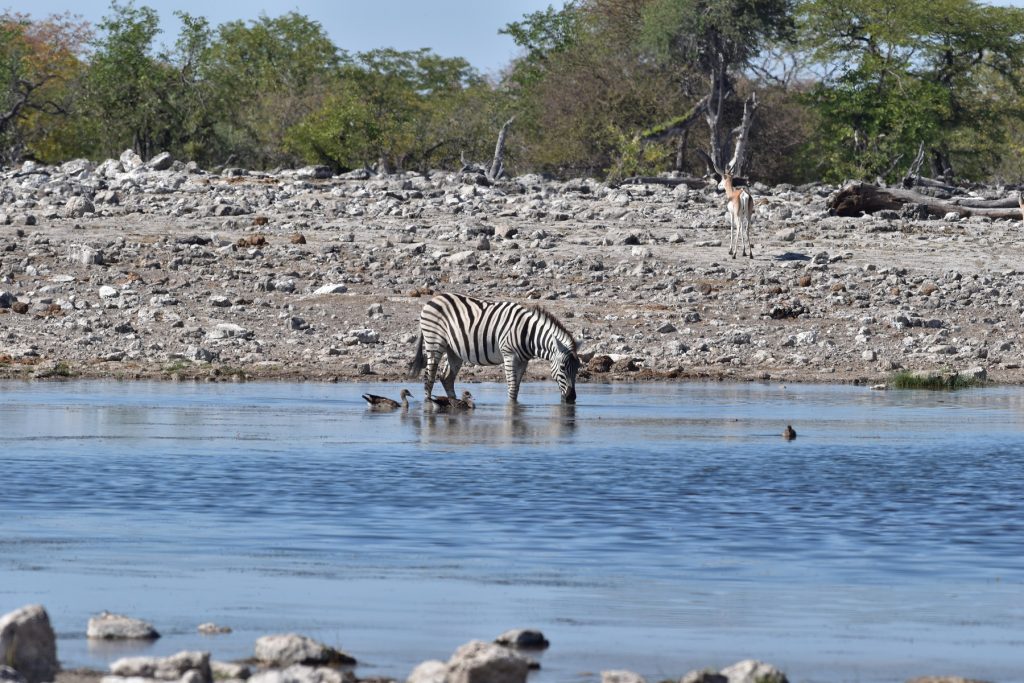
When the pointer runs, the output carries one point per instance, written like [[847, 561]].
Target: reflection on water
[[659, 527], [515, 424]]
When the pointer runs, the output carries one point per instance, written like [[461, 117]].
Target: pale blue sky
[[453, 28]]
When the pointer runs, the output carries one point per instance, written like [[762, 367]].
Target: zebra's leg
[[448, 381], [514, 371], [433, 357]]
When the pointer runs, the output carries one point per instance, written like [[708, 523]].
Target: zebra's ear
[[562, 348]]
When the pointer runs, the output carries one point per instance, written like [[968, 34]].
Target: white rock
[[290, 648], [28, 644], [117, 626], [108, 292], [753, 671], [621, 676], [463, 258], [430, 671], [331, 289], [76, 207], [130, 160], [165, 668], [868, 355], [477, 661], [298, 673]]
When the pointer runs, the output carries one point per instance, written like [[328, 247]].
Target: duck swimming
[[445, 403], [385, 403]]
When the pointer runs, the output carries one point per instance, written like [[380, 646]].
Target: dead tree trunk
[[497, 168], [859, 198]]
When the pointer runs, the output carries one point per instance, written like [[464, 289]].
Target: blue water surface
[[657, 527]]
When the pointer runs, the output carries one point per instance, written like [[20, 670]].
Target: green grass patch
[[933, 381]]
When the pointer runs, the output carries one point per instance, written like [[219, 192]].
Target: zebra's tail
[[419, 362]]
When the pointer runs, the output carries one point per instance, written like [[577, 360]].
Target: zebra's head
[[564, 367]]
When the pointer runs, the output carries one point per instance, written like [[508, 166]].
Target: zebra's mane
[[556, 323]]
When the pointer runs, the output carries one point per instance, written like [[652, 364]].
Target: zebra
[[481, 332]]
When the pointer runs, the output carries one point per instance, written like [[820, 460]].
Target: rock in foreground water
[[109, 626], [290, 648], [165, 668], [28, 644], [525, 638]]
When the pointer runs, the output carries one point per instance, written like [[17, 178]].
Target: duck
[[385, 403], [445, 403], [789, 433]]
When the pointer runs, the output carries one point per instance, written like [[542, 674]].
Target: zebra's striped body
[[479, 332]]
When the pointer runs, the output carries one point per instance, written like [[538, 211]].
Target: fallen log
[[976, 203], [859, 198]]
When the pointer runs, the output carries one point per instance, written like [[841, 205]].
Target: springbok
[[741, 210]]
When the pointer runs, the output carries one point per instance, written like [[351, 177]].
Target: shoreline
[[145, 274]]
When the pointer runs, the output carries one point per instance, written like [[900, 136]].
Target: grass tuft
[[932, 381]]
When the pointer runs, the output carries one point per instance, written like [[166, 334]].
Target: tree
[[396, 109], [945, 73], [718, 38], [39, 62], [265, 77]]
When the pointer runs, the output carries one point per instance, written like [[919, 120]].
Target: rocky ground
[[128, 269]]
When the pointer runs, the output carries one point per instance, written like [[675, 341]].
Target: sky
[[452, 28]]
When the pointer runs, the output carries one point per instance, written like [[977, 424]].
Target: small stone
[[786, 235], [665, 328], [524, 638], [297, 238], [76, 207], [753, 671], [108, 292], [9, 675], [703, 676], [209, 628], [161, 162], [19, 307], [976, 373], [108, 626], [869, 355], [331, 289], [621, 676], [220, 301]]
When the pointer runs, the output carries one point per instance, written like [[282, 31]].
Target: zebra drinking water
[[480, 332]]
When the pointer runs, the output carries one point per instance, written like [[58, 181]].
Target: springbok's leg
[[448, 381], [734, 233]]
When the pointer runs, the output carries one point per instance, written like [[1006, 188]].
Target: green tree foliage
[[39, 70], [602, 87], [125, 88], [264, 78], [716, 39], [400, 110], [583, 88], [944, 73]]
